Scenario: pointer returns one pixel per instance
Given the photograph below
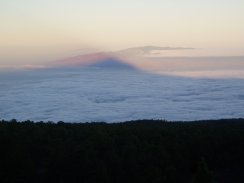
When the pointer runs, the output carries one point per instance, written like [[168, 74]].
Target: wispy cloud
[[147, 50]]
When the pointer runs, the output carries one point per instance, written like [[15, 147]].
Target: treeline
[[145, 151]]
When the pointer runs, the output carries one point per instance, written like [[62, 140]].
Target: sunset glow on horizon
[[36, 31]]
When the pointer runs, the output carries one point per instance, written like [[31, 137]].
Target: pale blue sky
[[30, 25]]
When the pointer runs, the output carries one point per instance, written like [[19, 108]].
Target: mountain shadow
[[111, 64], [95, 60]]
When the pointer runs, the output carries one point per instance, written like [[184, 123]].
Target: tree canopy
[[152, 151]]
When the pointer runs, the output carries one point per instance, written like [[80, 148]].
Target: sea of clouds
[[93, 94]]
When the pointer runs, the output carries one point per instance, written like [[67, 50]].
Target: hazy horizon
[[36, 32], [157, 60]]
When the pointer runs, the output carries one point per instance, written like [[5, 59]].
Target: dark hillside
[[138, 151]]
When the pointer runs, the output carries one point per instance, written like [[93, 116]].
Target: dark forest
[[152, 151]]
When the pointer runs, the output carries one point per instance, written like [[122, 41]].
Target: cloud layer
[[94, 94]]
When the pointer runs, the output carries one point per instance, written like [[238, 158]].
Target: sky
[[34, 31]]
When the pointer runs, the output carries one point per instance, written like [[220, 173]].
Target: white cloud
[[116, 95]]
